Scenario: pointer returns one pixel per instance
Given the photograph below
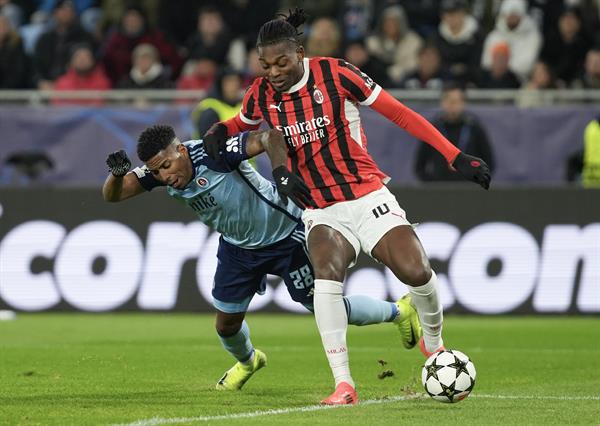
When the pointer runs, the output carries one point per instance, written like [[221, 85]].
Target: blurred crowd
[[188, 44]]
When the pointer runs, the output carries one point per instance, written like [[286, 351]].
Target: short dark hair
[[153, 140], [452, 85], [279, 29]]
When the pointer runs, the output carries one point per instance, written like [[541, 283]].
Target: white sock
[[430, 311], [332, 321]]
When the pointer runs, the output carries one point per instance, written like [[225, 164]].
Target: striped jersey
[[232, 198], [321, 124]]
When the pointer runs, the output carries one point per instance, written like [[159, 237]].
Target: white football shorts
[[363, 222]]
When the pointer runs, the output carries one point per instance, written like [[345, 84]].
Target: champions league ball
[[448, 376]]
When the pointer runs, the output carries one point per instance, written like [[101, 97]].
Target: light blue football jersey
[[231, 197]]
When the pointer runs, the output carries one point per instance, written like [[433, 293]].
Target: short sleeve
[[358, 86], [146, 179], [235, 150], [250, 112]]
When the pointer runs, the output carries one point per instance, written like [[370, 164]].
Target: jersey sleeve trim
[[235, 150], [372, 96], [145, 178], [247, 120]]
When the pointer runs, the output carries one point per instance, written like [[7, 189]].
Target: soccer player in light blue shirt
[[261, 232]]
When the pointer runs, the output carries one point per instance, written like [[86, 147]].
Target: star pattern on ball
[[459, 366], [433, 369], [448, 391], [470, 388]]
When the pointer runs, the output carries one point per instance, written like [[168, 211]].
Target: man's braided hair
[[283, 28]]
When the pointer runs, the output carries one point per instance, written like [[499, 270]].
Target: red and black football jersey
[[321, 125]]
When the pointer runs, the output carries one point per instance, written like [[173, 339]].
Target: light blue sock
[[365, 310], [239, 345]]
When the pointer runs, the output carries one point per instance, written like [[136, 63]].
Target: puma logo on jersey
[[277, 107]]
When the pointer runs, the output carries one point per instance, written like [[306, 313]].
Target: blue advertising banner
[[530, 145]]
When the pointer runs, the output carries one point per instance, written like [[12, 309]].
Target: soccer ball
[[448, 376]]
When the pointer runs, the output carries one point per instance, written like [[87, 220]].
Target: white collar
[[303, 80]]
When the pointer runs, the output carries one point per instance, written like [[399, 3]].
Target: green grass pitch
[[161, 369]]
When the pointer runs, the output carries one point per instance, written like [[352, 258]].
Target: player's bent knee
[[417, 276], [329, 271]]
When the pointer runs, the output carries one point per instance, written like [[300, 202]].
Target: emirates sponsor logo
[[304, 132]]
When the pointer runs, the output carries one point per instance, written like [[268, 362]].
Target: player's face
[[172, 166], [282, 64]]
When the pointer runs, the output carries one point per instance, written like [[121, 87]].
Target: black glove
[[118, 163], [473, 168], [214, 140], [290, 185]]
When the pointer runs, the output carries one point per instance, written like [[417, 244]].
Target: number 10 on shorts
[[302, 277], [380, 210]]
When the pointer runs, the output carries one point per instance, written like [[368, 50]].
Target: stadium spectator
[[355, 18], [542, 77], [485, 12], [53, 48], [459, 41], [13, 12], [83, 74], [87, 10], [532, 93], [424, 15], [252, 68], [178, 22], [211, 39], [247, 16], [516, 28], [564, 49], [14, 64], [198, 74], [147, 71], [395, 44], [80, 6], [134, 30], [357, 54], [429, 71], [590, 78], [222, 102], [499, 76], [31, 31], [462, 129], [324, 38]]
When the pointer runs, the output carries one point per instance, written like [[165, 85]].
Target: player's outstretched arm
[[120, 184], [472, 168]]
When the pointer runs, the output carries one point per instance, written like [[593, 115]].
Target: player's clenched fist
[[118, 163], [473, 168], [214, 140]]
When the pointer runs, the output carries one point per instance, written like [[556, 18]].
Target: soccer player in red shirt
[[314, 103]]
